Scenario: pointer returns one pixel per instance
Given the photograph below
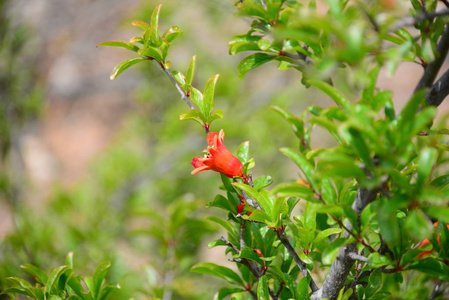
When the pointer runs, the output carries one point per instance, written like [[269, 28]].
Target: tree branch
[[438, 92], [229, 244], [413, 20], [431, 70], [436, 290], [355, 256], [302, 266], [342, 265]]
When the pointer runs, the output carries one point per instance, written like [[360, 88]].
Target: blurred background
[[101, 167]]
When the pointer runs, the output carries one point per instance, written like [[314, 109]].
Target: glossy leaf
[[219, 271], [253, 61], [125, 65], [332, 92], [208, 95], [243, 152], [39, 275], [262, 289], [191, 70], [120, 44], [303, 163]]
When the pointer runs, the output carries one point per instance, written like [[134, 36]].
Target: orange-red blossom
[[426, 241], [218, 158]]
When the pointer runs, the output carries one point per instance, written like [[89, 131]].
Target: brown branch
[[230, 244], [343, 263], [302, 265]]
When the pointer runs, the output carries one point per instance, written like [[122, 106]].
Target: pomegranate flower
[[218, 158]]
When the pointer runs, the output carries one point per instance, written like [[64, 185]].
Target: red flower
[[219, 158], [426, 241]]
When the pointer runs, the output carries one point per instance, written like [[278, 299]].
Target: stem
[[412, 20], [242, 234], [302, 266], [436, 290], [177, 86]]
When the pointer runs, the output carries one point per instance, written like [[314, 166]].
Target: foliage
[[354, 223]]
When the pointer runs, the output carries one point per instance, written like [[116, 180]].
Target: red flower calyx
[[218, 158]]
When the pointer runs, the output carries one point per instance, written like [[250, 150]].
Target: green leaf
[[374, 283], [440, 213], [69, 260], [194, 115], [248, 166], [262, 289], [120, 44], [219, 271], [303, 288], [224, 203], [253, 9], [426, 162], [141, 24], [432, 267], [297, 123], [125, 65], [218, 114], [53, 279], [226, 225], [332, 92], [155, 22], [258, 216], [249, 253], [243, 152], [191, 70], [226, 291], [264, 202], [172, 33], [418, 225], [325, 233], [208, 95], [107, 290], [253, 61], [152, 52], [37, 273], [99, 276], [376, 260], [303, 163], [357, 141], [262, 182], [297, 190], [197, 97]]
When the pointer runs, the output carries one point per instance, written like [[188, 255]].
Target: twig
[[302, 266], [177, 86], [412, 20], [355, 256], [251, 201], [242, 234], [230, 244], [436, 290], [272, 294]]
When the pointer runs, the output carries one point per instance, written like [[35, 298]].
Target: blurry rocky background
[[101, 167]]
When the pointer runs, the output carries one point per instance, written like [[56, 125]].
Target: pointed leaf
[[332, 92], [37, 273], [253, 61], [125, 65], [191, 70], [120, 44], [208, 95]]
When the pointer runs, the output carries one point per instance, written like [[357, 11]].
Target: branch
[[230, 244], [342, 265], [302, 266], [251, 201], [355, 256], [436, 290], [438, 92], [177, 86], [413, 20], [431, 70]]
